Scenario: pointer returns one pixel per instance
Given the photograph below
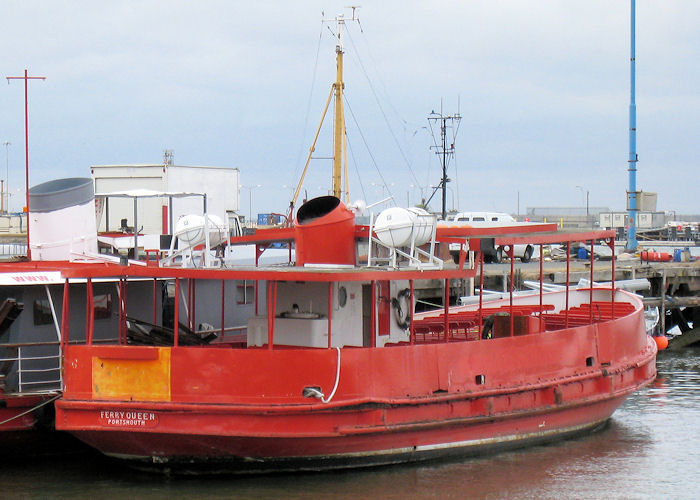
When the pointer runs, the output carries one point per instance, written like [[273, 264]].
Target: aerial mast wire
[[339, 141], [443, 150]]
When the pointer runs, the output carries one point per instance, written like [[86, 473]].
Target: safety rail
[[28, 373], [603, 310], [469, 325]]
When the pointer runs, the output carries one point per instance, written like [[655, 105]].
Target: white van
[[480, 219], [490, 219]]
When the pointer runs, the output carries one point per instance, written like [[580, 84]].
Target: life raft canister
[[655, 256]]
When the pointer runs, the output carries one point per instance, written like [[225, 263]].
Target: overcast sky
[[542, 88]]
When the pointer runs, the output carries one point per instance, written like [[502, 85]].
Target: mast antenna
[[443, 149], [339, 139]]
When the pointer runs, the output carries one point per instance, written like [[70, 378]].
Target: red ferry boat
[[323, 364]]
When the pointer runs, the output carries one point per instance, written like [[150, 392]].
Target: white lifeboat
[[190, 229], [401, 227]]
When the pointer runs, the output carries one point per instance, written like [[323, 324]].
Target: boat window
[[42, 312], [494, 219], [342, 296], [103, 306], [462, 219], [43, 316], [479, 219], [245, 292]]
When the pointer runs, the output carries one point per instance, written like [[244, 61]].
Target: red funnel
[[325, 232]]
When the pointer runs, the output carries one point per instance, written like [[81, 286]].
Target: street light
[[582, 192], [250, 202], [421, 189], [7, 175], [383, 186]]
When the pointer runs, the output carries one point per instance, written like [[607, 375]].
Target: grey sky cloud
[[543, 88]]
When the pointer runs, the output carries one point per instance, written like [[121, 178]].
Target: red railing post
[[223, 302], [481, 291], [568, 265], [255, 291], [330, 311], [541, 281], [411, 328], [122, 311], [511, 254], [447, 309], [65, 315], [612, 290], [373, 315], [590, 296], [176, 313], [155, 281], [90, 313], [271, 304]]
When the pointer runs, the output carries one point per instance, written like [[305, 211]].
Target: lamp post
[[250, 202], [421, 192], [26, 79], [384, 187], [7, 175], [586, 192]]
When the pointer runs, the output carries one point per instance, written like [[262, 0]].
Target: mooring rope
[[31, 409], [337, 379]]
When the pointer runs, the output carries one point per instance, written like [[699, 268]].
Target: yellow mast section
[[340, 162], [339, 127]]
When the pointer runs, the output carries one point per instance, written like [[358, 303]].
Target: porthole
[[342, 296]]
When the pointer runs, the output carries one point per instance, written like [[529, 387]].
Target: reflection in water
[[650, 449]]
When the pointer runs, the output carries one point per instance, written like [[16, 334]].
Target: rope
[[357, 170], [315, 392], [31, 409], [337, 379], [381, 109], [428, 303], [308, 106], [369, 151]]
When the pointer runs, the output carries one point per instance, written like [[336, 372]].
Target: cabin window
[[462, 219], [494, 219], [43, 316], [479, 219], [103, 306], [42, 312], [342, 296], [245, 292]]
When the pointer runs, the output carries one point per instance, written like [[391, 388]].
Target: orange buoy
[[661, 342], [655, 256]]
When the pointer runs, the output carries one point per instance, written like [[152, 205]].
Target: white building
[[221, 185]]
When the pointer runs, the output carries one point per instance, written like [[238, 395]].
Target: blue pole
[[632, 168]]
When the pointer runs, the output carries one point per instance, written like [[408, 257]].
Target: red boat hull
[[27, 431], [198, 453], [393, 404], [16, 412]]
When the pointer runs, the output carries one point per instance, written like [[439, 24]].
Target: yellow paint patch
[[132, 379]]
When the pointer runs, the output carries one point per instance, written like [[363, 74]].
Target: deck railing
[[35, 373]]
